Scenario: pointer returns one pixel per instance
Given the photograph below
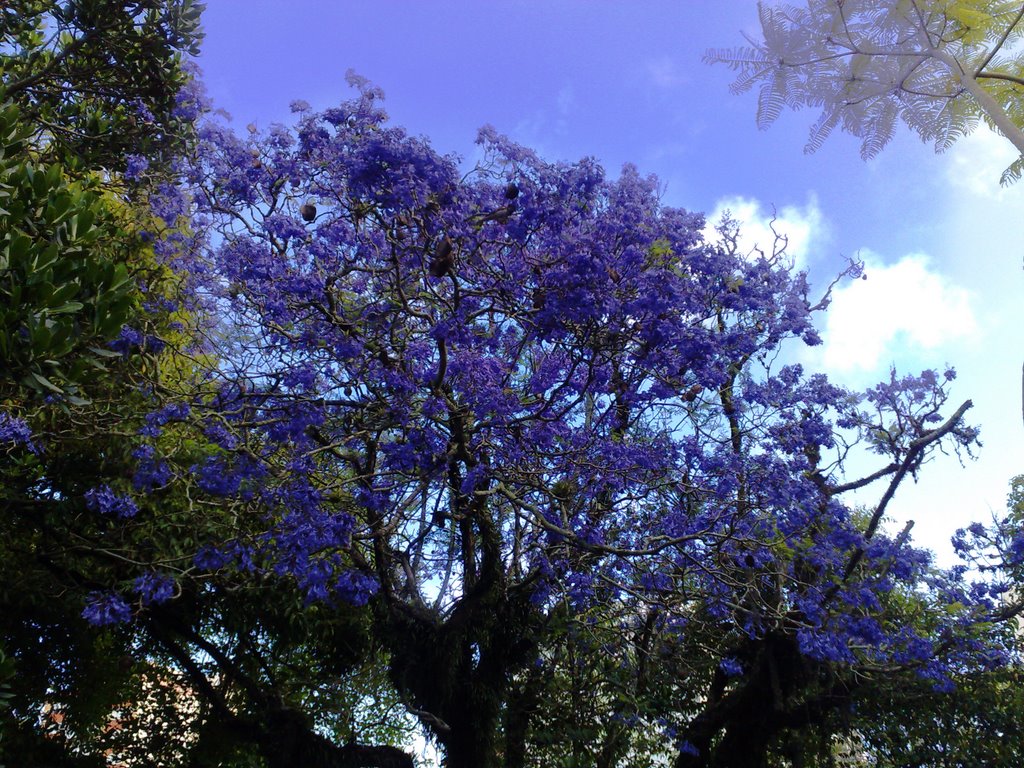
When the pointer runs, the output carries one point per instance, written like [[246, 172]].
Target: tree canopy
[[504, 407], [102, 85]]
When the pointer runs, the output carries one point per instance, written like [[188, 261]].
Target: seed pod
[[511, 191], [308, 212], [443, 259], [500, 216], [691, 394], [538, 297]]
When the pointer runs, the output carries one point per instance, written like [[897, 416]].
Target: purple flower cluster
[[154, 588], [219, 476], [151, 472], [104, 500], [210, 558], [135, 166], [191, 101], [156, 420], [128, 341], [14, 431], [731, 666], [106, 608]]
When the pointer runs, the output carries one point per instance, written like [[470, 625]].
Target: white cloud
[[665, 73], [898, 310], [977, 161], [802, 226], [552, 118]]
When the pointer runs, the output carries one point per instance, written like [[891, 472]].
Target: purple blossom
[[154, 588], [106, 608], [156, 420], [135, 166], [731, 666], [210, 558], [1015, 550], [14, 431], [151, 472], [191, 100], [217, 433], [824, 645], [154, 344], [142, 111], [355, 588], [104, 500], [169, 203], [219, 476], [128, 341]]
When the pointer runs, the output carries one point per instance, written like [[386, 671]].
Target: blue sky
[[622, 81]]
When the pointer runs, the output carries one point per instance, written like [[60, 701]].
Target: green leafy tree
[[65, 287], [101, 82], [98, 102], [912, 725], [95, 104], [940, 66]]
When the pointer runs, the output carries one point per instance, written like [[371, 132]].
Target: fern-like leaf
[[1013, 173], [869, 64]]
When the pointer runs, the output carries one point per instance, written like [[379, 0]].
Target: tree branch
[[910, 461], [999, 44]]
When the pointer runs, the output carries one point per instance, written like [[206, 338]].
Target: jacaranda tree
[[493, 405], [491, 423]]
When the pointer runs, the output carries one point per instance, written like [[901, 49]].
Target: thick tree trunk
[[456, 682], [288, 742], [456, 672], [743, 747], [518, 713], [749, 720], [747, 717]]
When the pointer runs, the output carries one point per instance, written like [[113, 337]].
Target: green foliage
[[97, 80], [907, 723], [85, 84], [65, 288]]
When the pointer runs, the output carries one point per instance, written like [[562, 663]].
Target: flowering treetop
[[478, 398]]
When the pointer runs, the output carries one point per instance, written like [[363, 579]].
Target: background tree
[[102, 85], [82, 83], [97, 335], [940, 66], [65, 284]]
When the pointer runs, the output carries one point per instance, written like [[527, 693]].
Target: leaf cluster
[[65, 287], [99, 81], [939, 67]]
